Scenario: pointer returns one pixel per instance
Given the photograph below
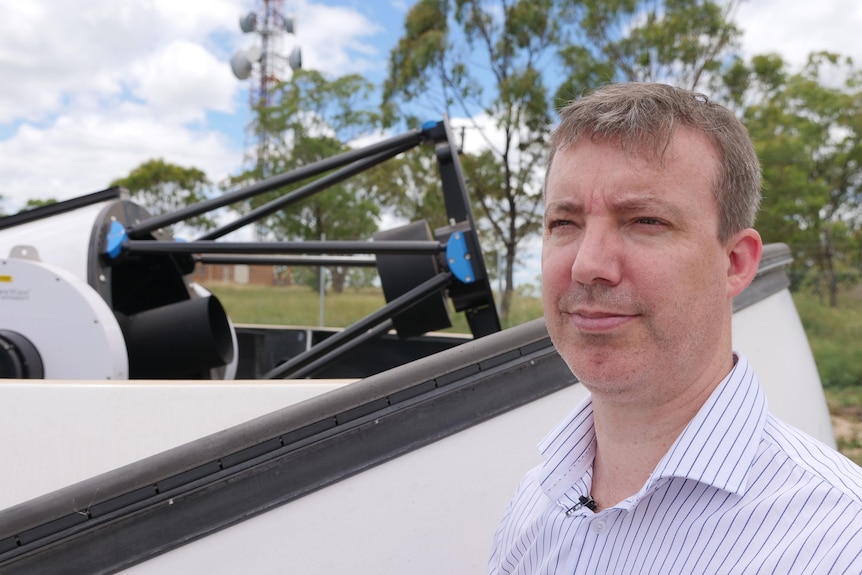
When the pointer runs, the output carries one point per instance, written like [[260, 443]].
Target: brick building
[[236, 273]]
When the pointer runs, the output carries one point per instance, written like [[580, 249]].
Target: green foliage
[[162, 187], [807, 277], [808, 135], [526, 306], [313, 118], [502, 61], [319, 112], [449, 50], [420, 53], [38, 203], [835, 337], [361, 278], [410, 185], [843, 399], [838, 367], [680, 42]]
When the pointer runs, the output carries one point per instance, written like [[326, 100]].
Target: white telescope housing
[[68, 311]]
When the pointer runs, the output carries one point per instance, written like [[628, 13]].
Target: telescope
[[97, 287]]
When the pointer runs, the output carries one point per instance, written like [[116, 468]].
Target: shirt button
[[599, 526]]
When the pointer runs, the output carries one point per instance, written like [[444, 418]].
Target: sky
[[93, 88]]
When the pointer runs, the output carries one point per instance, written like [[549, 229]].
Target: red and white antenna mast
[[265, 62]]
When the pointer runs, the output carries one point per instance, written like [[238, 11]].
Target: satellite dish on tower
[[253, 53], [241, 65], [248, 22], [294, 59]]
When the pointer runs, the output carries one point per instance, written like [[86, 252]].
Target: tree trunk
[[339, 277], [832, 282], [508, 290]]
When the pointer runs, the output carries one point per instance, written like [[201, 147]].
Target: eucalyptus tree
[[807, 129], [507, 65], [485, 63], [163, 187], [679, 42], [312, 118]]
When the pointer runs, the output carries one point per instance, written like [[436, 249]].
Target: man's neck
[[631, 439], [628, 449]]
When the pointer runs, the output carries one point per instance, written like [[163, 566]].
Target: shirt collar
[[717, 447], [569, 450], [720, 443]]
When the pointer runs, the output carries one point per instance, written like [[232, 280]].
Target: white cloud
[[83, 153], [196, 19], [334, 39], [52, 52], [795, 29], [93, 88], [183, 79]]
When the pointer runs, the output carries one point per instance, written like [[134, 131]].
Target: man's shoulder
[[815, 459]]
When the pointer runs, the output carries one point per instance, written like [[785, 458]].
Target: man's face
[[634, 278]]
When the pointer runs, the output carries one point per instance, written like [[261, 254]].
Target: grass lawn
[[835, 335], [297, 305]]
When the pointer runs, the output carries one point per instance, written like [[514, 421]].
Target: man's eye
[[649, 221]]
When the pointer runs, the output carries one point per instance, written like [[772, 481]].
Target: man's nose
[[598, 256]]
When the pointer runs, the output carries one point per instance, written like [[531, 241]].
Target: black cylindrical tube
[[178, 340]]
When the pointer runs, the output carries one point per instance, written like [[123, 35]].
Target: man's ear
[[744, 249]]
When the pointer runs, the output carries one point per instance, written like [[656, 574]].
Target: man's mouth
[[596, 321]]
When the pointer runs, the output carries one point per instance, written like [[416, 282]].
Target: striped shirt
[[738, 492]]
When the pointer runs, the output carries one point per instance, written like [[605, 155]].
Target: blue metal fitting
[[117, 236], [434, 130], [459, 258]]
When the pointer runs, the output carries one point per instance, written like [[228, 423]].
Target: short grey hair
[[642, 118]]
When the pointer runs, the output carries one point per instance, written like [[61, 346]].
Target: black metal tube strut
[[333, 247], [277, 260], [413, 138], [52, 210], [342, 350], [388, 311], [303, 192]]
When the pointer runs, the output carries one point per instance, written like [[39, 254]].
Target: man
[[672, 464]]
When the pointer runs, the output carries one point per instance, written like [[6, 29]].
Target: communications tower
[[265, 63]]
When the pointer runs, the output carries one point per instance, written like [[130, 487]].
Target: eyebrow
[[651, 203], [644, 204], [564, 206]]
